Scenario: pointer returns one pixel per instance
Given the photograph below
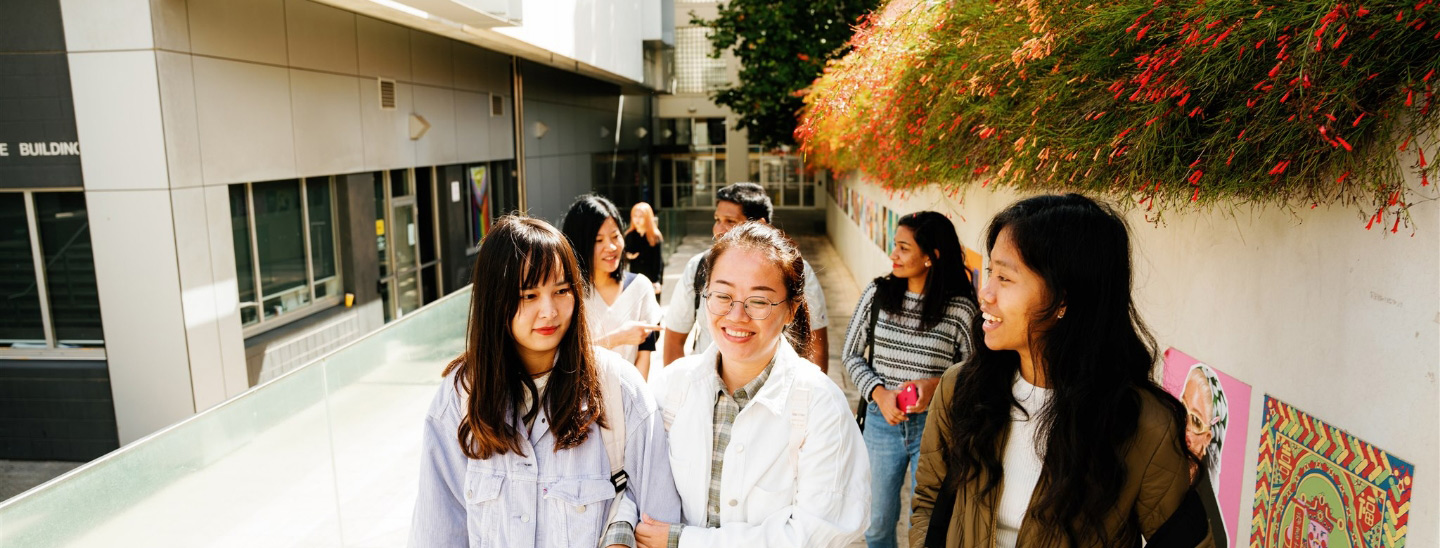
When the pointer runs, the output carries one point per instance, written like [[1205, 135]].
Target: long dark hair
[[520, 254], [948, 277], [1098, 359], [582, 224], [780, 251]]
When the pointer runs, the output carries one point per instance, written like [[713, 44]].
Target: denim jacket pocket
[[582, 502], [482, 505]]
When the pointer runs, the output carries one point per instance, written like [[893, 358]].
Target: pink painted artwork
[[1217, 415]]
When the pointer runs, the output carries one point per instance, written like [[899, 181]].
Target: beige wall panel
[[117, 116], [197, 299], [225, 291], [386, 133], [246, 132], [182, 127], [502, 131], [384, 48], [249, 30], [97, 25], [470, 70], [320, 37], [430, 59], [472, 126], [140, 309], [328, 137], [171, 19], [437, 146]]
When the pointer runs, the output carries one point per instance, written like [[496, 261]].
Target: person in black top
[[642, 245]]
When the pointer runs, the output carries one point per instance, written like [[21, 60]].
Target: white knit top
[[1022, 461]]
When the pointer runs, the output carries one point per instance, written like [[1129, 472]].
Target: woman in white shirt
[[620, 306], [765, 449]]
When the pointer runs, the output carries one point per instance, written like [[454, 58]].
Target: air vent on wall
[[497, 105], [387, 94]]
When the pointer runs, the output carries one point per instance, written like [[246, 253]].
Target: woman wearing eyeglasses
[[764, 449]]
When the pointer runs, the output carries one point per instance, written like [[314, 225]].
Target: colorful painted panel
[[1318, 486], [1217, 409]]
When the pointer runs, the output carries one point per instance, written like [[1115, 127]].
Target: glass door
[[398, 239]]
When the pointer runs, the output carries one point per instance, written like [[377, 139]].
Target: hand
[[886, 400], [926, 389], [632, 256], [652, 534], [632, 333], [656, 285]]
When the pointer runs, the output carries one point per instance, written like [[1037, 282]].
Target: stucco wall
[[1305, 305]]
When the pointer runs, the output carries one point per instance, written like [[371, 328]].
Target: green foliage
[[1166, 102], [782, 45]]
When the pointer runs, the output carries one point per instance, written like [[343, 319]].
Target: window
[[695, 70], [285, 254], [49, 303]]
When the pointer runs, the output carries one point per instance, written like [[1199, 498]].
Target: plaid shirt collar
[[745, 394]]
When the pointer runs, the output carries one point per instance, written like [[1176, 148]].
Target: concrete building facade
[[200, 195]]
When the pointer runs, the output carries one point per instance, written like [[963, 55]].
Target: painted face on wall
[[1012, 300], [907, 260], [746, 322], [728, 215], [1199, 410], [544, 314], [609, 246]]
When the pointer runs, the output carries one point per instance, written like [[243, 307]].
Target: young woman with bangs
[[514, 449], [621, 308], [1055, 433]]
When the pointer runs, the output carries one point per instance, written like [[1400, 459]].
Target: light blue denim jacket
[[546, 498]]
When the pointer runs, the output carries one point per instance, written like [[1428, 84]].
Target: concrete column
[[164, 260]]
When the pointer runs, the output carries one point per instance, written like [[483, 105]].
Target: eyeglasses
[[758, 308], [1198, 426]]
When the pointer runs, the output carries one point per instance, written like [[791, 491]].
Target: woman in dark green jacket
[[1054, 433]]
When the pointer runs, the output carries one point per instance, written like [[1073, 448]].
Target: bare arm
[[642, 362], [674, 346]]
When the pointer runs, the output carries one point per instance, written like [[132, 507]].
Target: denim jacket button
[[581, 509], [525, 519]]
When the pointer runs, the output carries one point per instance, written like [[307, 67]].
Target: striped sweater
[[903, 351]]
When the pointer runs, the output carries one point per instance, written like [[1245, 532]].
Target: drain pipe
[[517, 98]]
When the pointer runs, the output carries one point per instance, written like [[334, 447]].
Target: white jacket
[[770, 495]]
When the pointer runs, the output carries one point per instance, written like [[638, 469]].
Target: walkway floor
[[842, 292]]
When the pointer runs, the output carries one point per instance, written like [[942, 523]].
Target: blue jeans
[[892, 449]]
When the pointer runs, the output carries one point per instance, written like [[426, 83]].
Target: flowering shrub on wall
[[1172, 102]]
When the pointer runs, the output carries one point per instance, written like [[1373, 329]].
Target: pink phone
[[907, 397]]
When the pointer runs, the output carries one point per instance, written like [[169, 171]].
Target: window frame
[[51, 351], [263, 324]]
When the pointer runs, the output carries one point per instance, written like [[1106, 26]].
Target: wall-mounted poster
[[1217, 414], [479, 203], [975, 263], [1317, 485]]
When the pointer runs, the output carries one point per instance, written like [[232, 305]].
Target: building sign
[[39, 147]]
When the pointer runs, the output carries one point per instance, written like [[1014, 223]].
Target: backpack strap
[[697, 285], [613, 434], [799, 419], [674, 398]]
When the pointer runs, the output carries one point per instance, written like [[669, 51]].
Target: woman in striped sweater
[[921, 326]]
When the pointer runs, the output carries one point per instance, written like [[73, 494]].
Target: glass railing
[[327, 455]]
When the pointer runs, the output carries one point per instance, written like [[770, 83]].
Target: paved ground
[[841, 294], [18, 476]]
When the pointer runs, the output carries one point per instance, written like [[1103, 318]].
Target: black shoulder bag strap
[[941, 514], [869, 357]]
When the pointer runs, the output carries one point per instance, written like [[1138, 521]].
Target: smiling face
[[1012, 299], [544, 315], [609, 246], [744, 274], [907, 260], [728, 215]]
